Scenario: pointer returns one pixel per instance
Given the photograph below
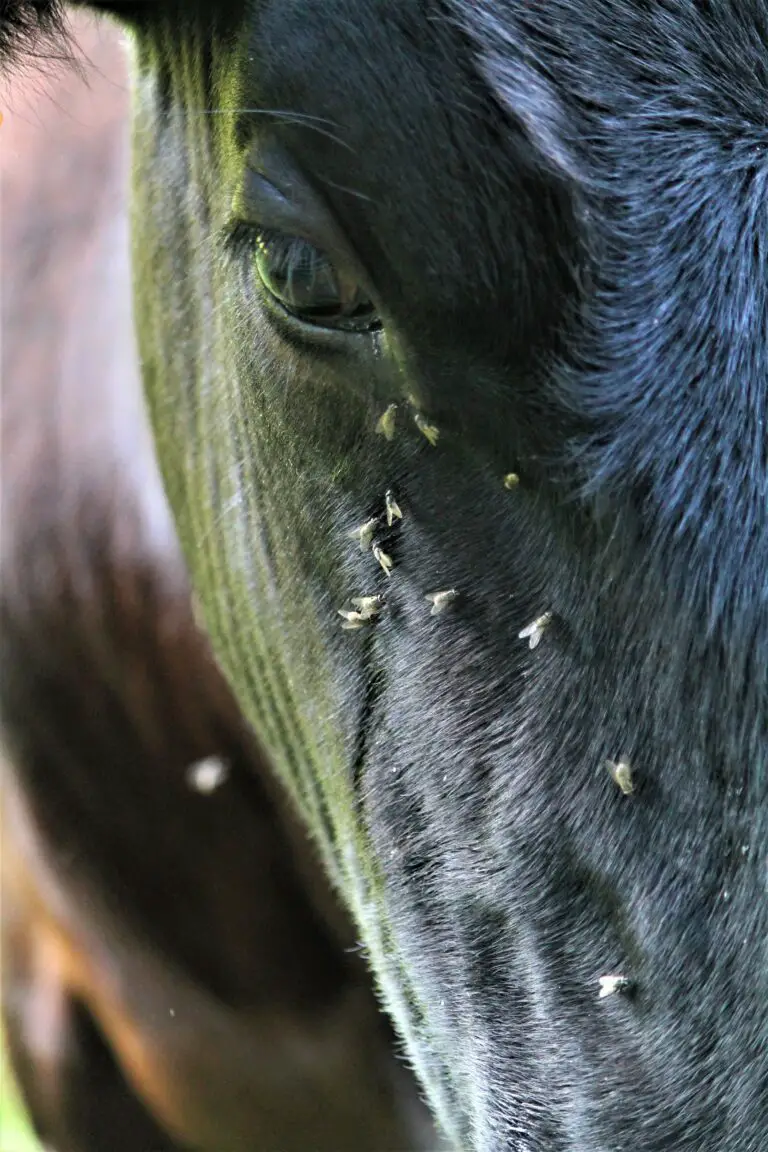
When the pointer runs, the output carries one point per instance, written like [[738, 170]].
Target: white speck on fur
[[368, 606], [428, 430], [364, 610], [612, 984], [385, 425], [441, 600], [393, 508], [205, 776], [384, 559], [364, 534], [621, 774]]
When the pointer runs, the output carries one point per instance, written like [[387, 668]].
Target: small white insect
[[368, 606], [441, 600], [353, 620], [429, 430], [205, 776], [534, 632], [511, 480], [364, 534], [611, 984], [384, 559], [385, 425], [621, 774], [393, 508]]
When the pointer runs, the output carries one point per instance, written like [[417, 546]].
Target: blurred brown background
[[223, 915], [63, 181], [70, 383], [65, 308]]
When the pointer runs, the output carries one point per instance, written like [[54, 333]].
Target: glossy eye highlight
[[306, 282]]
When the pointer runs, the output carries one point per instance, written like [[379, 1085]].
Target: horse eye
[[304, 280]]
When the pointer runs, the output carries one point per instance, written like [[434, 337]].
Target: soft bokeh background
[[65, 306], [15, 1135]]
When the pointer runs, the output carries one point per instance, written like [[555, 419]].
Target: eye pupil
[[304, 280]]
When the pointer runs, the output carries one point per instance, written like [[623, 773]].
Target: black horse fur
[[558, 213]]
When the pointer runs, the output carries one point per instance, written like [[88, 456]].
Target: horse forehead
[[369, 88], [379, 109], [338, 50]]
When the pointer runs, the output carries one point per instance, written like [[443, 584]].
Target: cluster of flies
[[365, 609]]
